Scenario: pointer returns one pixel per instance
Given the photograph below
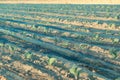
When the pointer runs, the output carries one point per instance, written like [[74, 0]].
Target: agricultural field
[[59, 42]]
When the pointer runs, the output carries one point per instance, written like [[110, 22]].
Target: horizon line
[[61, 2]]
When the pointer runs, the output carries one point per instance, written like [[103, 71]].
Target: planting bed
[[59, 42]]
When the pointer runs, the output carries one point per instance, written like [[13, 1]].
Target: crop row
[[74, 26], [75, 12], [81, 28], [76, 36], [62, 42], [63, 17], [38, 59], [65, 43], [62, 51]]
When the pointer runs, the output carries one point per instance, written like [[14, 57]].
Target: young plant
[[28, 55], [115, 41], [33, 28], [96, 37], [1, 44], [45, 29], [113, 52], [84, 46], [65, 44], [117, 78], [117, 17], [10, 48], [1, 47], [51, 61], [112, 25], [75, 71]]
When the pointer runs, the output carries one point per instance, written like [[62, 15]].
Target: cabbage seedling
[[117, 78], [116, 40], [11, 49], [1, 47], [1, 44], [51, 61], [96, 37], [113, 52], [28, 55], [75, 71]]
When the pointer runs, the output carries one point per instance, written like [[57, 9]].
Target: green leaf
[[51, 61], [116, 40], [1, 44], [75, 71], [117, 78], [10, 48], [28, 55], [113, 52], [96, 37]]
